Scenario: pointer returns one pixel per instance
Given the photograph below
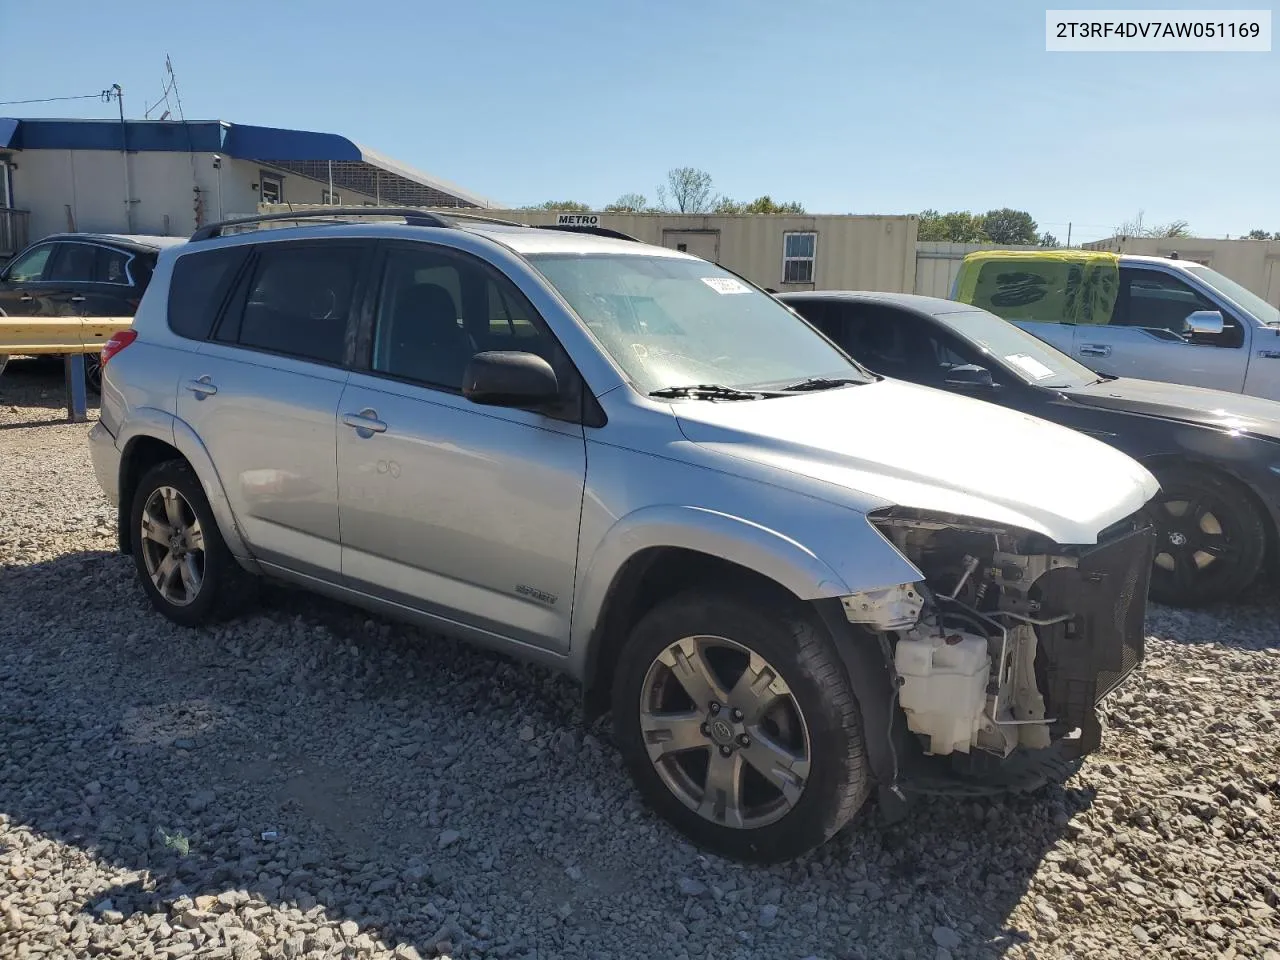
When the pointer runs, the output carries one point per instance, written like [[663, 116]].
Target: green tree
[[571, 205], [959, 226], [1049, 240], [687, 190], [1261, 235], [629, 203], [1007, 225]]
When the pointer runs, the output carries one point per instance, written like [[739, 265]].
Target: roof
[[534, 240], [932, 306], [139, 240], [304, 152]]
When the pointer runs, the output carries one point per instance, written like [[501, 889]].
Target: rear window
[[198, 287]]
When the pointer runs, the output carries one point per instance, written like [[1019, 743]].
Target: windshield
[[1026, 355], [1233, 291], [671, 322]]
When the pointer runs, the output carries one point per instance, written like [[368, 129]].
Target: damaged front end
[[1000, 657]]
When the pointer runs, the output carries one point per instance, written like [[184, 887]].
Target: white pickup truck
[[1153, 318]]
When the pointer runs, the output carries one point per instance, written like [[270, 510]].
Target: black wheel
[[739, 725], [1211, 538], [93, 372], [182, 560]]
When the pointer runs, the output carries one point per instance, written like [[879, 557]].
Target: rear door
[[262, 394], [1145, 337]]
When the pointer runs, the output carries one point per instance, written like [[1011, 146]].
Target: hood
[[1173, 401], [896, 443]]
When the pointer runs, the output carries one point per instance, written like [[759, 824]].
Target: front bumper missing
[[1081, 660]]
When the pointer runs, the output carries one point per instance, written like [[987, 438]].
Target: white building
[[170, 177]]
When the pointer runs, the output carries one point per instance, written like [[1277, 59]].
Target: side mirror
[[1205, 322], [509, 378], [969, 375]]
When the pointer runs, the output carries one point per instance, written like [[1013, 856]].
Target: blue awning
[[319, 156]]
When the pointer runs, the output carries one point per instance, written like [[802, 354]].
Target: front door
[[464, 512], [699, 243], [263, 394], [1145, 337], [24, 292]]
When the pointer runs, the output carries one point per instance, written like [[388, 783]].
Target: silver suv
[[789, 579]]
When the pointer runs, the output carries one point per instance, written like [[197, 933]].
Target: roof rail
[[411, 215], [576, 228]]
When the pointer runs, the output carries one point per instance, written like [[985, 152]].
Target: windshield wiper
[[819, 383], [707, 391]]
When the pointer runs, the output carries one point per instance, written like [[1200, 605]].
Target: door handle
[[201, 388], [26, 298], [77, 299], [1094, 350], [366, 421]]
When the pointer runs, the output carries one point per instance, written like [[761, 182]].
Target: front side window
[[670, 322], [30, 266], [73, 263], [299, 301], [1158, 301], [436, 310], [1243, 296], [799, 251]]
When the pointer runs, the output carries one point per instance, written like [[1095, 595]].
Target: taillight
[[119, 340]]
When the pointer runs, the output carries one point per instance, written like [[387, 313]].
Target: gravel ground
[[308, 782]]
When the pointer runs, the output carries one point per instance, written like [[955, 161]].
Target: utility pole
[[1068, 234], [124, 157]]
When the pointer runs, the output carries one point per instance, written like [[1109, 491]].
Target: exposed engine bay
[[1012, 639]]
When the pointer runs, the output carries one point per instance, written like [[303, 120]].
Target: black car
[[80, 274], [1216, 454]]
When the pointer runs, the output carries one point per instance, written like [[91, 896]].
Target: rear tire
[[772, 720], [185, 567], [1211, 539]]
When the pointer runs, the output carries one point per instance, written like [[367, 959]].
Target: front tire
[[739, 725], [1211, 538], [185, 567]]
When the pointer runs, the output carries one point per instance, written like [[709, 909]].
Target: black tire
[[802, 652], [1195, 565], [225, 587], [93, 373]]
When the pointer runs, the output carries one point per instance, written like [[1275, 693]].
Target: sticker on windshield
[[1029, 365], [726, 285]]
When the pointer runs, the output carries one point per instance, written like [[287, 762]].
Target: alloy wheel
[[173, 546], [724, 732], [1196, 538]]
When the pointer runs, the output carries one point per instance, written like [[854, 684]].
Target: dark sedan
[[80, 275], [1216, 454]]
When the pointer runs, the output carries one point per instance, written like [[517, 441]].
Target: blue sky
[[848, 107]]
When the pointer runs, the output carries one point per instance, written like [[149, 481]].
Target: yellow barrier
[[27, 336]]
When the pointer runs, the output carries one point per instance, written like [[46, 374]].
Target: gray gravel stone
[[425, 794]]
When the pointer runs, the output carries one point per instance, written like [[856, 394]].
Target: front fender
[[802, 568]]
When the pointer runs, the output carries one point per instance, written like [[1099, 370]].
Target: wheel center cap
[[1177, 539], [721, 731]]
